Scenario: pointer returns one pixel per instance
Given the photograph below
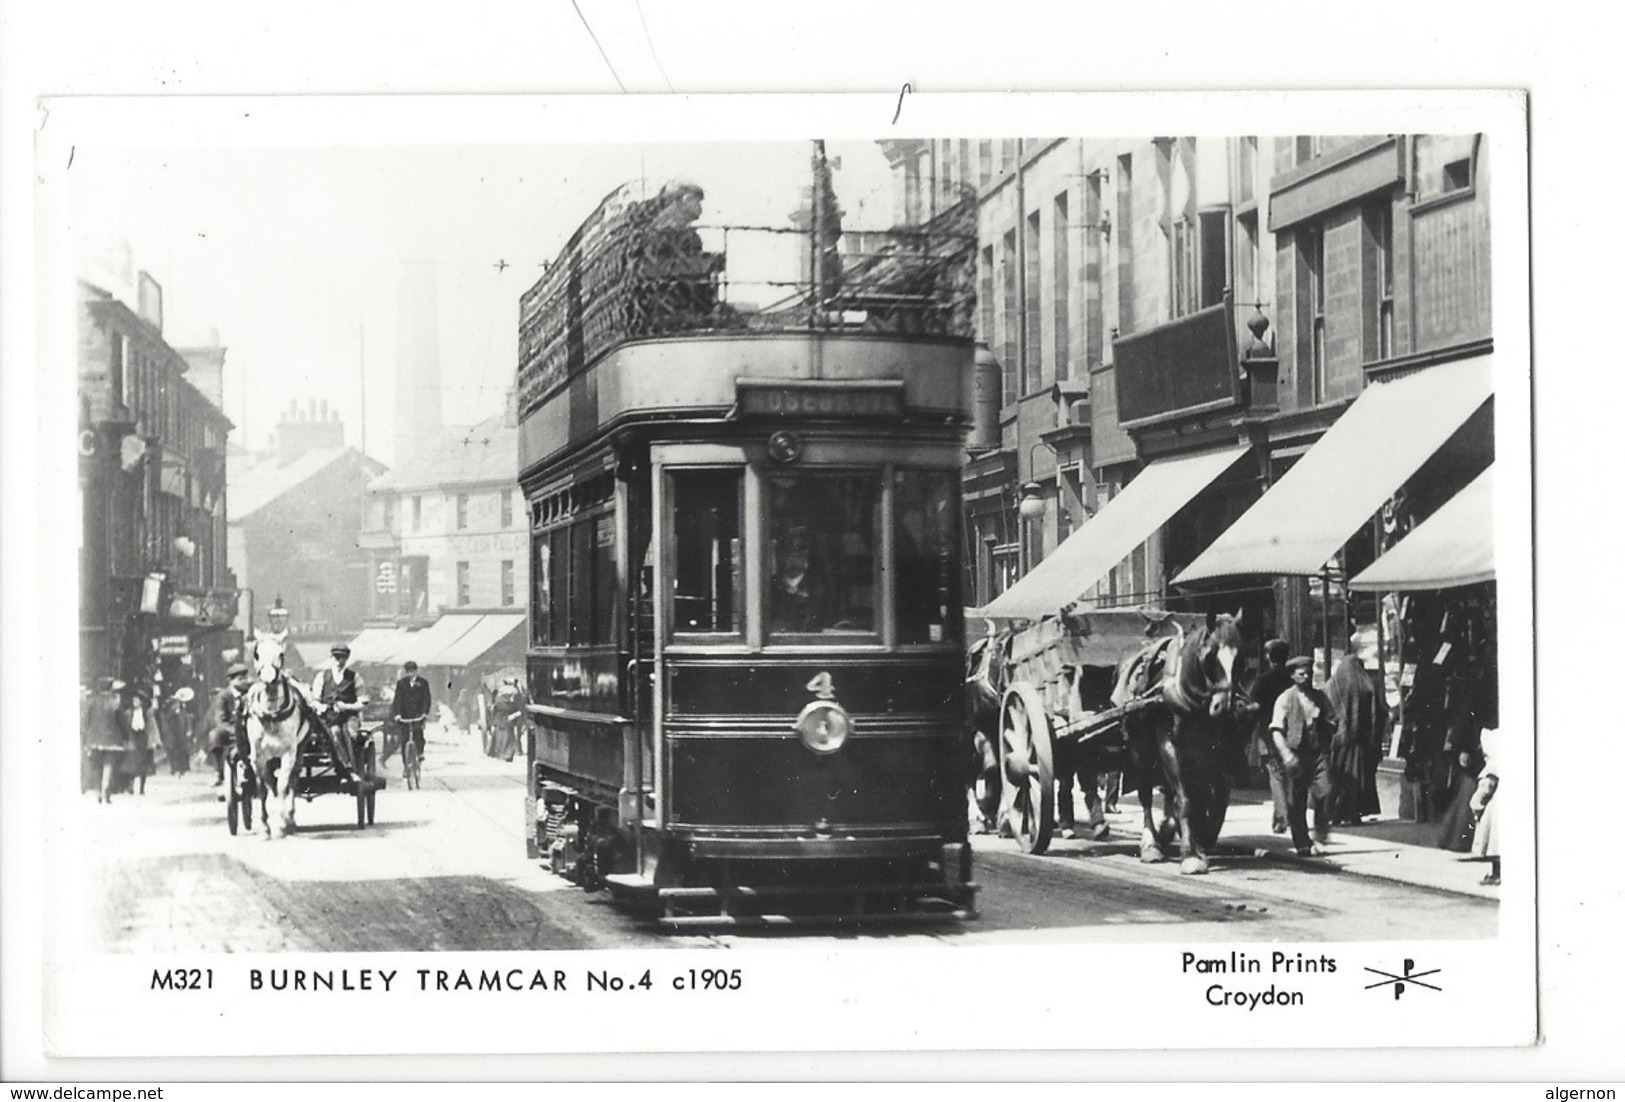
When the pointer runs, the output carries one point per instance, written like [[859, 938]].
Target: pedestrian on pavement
[[1486, 838], [135, 717], [1267, 689], [509, 715], [342, 694], [1357, 744], [1301, 729], [411, 705], [463, 709], [103, 735], [225, 719]]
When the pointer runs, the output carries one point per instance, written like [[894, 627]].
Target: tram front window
[[705, 511], [824, 541]]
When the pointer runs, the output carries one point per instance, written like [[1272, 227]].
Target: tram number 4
[[182, 979], [822, 686], [603, 981]]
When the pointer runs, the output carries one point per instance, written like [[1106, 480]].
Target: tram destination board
[[820, 399]]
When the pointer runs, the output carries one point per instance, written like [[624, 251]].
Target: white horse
[[279, 721]]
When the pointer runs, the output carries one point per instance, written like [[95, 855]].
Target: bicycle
[[411, 754]]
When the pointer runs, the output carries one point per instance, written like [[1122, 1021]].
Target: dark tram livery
[[746, 654]]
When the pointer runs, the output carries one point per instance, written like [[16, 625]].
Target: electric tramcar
[[746, 653]]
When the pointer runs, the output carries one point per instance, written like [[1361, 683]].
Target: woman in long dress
[[1356, 745], [1486, 839]]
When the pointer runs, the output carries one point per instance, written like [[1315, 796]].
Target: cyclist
[[412, 705]]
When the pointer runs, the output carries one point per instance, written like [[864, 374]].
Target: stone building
[[296, 516], [157, 598]]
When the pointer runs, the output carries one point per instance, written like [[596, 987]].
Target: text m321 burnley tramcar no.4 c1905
[[746, 641]]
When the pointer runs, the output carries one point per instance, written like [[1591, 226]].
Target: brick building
[[156, 597]]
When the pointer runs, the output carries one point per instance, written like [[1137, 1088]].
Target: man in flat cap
[[1301, 729], [341, 695], [225, 718]]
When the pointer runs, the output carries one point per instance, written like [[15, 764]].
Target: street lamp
[[1030, 508]]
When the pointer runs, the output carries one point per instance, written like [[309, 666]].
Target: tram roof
[[640, 269]]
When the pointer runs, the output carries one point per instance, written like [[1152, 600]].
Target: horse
[[984, 682], [279, 720], [1182, 741]]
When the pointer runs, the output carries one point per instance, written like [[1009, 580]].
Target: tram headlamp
[[823, 726]]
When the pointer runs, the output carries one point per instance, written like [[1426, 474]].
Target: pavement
[[1387, 848]]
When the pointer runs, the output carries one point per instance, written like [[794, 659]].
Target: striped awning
[[479, 640], [1382, 438], [1454, 546], [1125, 522], [422, 645], [375, 645]]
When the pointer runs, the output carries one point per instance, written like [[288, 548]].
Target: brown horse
[[1182, 743]]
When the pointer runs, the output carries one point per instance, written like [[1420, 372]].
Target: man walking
[[1301, 727], [1275, 680], [225, 718], [412, 704]]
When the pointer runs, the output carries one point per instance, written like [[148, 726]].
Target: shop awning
[[422, 645], [475, 643], [1125, 522], [314, 655], [1454, 546], [1382, 438], [375, 645]]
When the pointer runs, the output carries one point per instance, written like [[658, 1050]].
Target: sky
[[294, 255]]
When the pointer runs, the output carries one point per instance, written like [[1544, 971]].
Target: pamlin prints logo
[[1401, 983]]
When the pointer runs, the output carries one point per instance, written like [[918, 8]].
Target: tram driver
[[797, 601]]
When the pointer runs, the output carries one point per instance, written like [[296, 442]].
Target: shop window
[[706, 577], [823, 544]]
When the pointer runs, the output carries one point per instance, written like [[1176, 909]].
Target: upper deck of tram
[[649, 313]]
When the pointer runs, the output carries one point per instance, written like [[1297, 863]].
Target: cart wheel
[[372, 791], [361, 786], [1028, 759]]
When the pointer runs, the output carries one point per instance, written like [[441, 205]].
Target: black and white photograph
[[581, 572]]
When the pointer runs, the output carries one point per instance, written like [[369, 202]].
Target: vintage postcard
[[906, 569]]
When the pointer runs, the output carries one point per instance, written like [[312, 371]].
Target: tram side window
[[927, 580], [603, 578], [824, 540], [581, 583], [706, 577], [541, 590], [558, 630]]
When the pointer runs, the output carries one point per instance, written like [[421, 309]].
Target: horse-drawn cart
[[321, 774], [1084, 693]]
